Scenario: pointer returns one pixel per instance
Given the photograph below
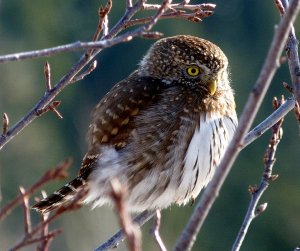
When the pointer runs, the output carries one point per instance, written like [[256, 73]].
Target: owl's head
[[187, 60]]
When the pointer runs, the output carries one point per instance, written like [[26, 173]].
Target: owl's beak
[[212, 86]]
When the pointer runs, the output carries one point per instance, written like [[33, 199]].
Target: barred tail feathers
[[61, 196]]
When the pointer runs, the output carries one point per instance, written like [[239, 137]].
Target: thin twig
[[128, 3], [266, 124], [205, 8], [102, 23], [45, 242], [59, 172], [91, 68], [49, 237], [288, 87], [155, 231], [30, 238], [194, 17], [256, 193], [51, 107], [26, 210], [280, 7], [293, 57], [297, 111], [5, 124], [118, 237], [188, 236], [131, 230], [47, 72]]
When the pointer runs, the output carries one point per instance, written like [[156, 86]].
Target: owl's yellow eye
[[193, 71]]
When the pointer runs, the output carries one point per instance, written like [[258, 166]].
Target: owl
[[161, 131]]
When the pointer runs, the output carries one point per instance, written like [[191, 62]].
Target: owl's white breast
[[204, 153]]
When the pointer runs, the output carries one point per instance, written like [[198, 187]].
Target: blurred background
[[243, 29]]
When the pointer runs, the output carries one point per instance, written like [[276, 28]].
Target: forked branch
[[267, 177]]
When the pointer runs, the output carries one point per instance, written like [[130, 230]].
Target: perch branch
[[256, 193], [188, 236]]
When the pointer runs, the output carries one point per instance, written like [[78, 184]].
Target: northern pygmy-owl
[[161, 131]]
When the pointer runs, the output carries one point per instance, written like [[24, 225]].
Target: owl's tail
[[61, 196], [69, 191]]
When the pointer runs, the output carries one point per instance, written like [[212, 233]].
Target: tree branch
[[59, 172], [188, 236], [254, 134], [131, 230], [293, 57], [256, 193], [118, 237], [30, 237], [107, 41]]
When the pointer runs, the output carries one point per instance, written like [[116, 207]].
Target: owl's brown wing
[[112, 117], [111, 125]]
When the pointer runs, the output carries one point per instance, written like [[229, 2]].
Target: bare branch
[[288, 87], [59, 172], [26, 210], [155, 231], [102, 23], [51, 107], [45, 241], [280, 7], [129, 3], [118, 237], [256, 193], [49, 237], [91, 68], [297, 111], [293, 56], [131, 230], [47, 72], [31, 238], [5, 124], [188, 236], [206, 9], [107, 41], [201, 10], [265, 125]]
